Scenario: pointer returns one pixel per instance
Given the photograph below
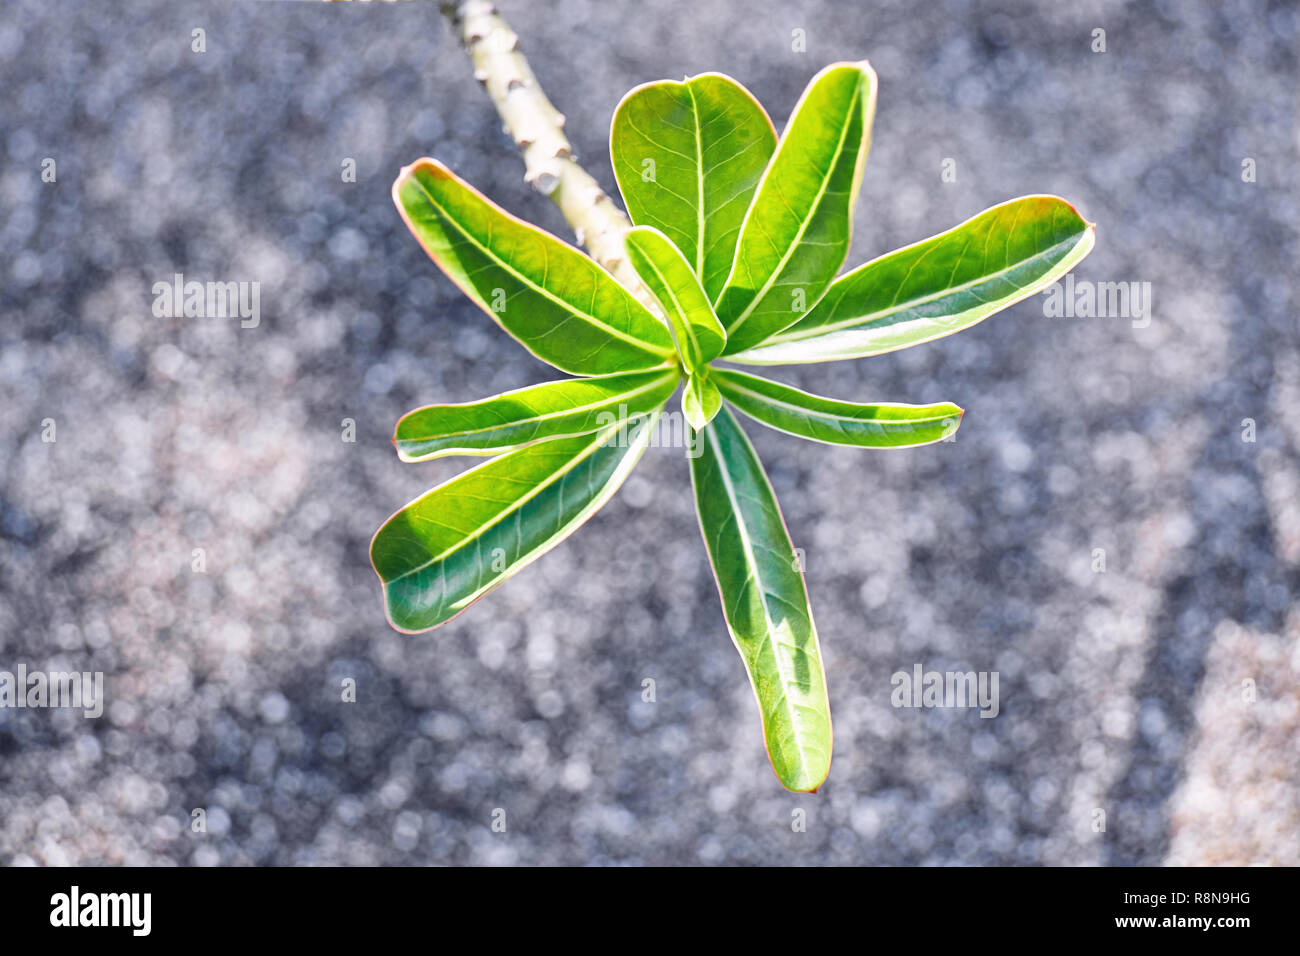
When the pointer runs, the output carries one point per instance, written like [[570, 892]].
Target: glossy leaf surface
[[688, 157], [934, 288], [552, 410], [452, 545], [805, 415], [764, 602], [668, 276], [700, 401], [796, 233], [559, 304]]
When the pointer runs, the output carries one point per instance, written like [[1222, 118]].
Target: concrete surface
[[1120, 691]]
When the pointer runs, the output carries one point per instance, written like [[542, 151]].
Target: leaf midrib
[[699, 183]]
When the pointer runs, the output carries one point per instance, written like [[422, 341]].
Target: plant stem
[[537, 128]]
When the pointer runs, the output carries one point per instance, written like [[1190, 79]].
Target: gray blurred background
[[1121, 691]]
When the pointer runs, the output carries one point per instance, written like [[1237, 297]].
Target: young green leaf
[[688, 157], [668, 276], [764, 601], [700, 400], [555, 301], [936, 287], [449, 547], [796, 234], [837, 423], [513, 419]]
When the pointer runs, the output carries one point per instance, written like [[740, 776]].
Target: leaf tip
[[804, 785], [426, 164], [862, 66]]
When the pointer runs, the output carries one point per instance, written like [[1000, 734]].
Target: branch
[[537, 128]]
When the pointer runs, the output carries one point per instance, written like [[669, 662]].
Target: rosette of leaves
[[740, 238]]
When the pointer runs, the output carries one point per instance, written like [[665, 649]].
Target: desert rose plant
[[737, 243]]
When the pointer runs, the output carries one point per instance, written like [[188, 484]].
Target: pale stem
[[537, 128]]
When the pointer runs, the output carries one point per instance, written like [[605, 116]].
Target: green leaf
[[700, 400], [765, 602], [837, 423], [688, 157], [796, 234], [513, 419], [559, 304], [668, 276], [936, 287], [452, 545]]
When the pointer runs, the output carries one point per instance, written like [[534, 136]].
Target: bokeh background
[[1120, 691]]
